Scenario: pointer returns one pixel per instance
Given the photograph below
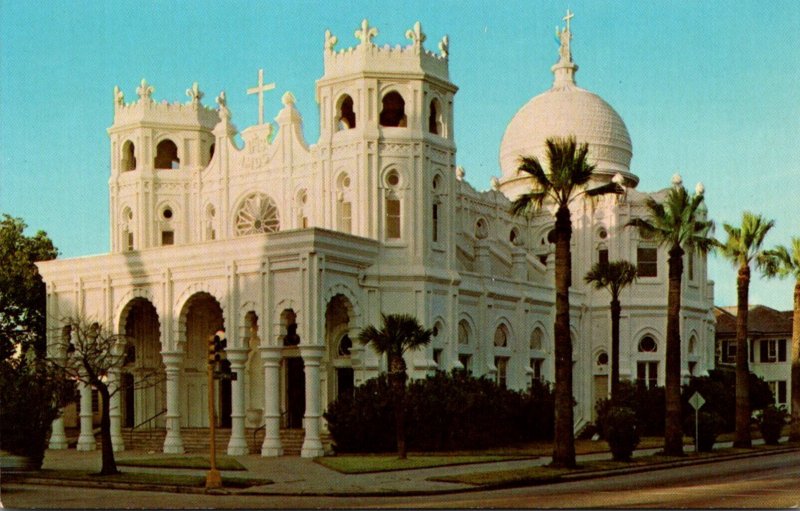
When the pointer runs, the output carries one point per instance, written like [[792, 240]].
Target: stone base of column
[[86, 442], [117, 443], [173, 444], [58, 439], [237, 447], [312, 448], [271, 451]]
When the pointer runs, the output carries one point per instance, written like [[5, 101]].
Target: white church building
[[293, 247]]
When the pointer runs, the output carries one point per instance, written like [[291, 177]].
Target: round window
[[167, 213], [393, 179], [602, 359], [647, 345]]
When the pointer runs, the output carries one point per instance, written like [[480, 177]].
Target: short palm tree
[[785, 262], [398, 334], [679, 224], [614, 276], [742, 248], [566, 180]]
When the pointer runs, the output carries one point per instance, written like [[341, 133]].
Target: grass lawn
[[356, 464], [198, 462], [197, 481], [545, 474]]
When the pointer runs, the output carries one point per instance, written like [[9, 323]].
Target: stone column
[[58, 437], [115, 412], [237, 445], [312, 445], [86, 440], [271, 359], [173, 360]]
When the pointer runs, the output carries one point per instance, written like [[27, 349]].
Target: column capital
[[172, 359], [237, 356], [312, 352], [271, 353]]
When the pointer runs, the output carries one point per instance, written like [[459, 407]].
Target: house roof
[[761, 320]]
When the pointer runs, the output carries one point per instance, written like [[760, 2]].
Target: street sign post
[[696, 401]]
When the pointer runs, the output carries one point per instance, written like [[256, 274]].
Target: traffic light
[[216, 348]]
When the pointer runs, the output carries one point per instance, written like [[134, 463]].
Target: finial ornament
[[699, 189], [618, 179], [460, 173], [444, 46], [330, 40], [145, 90], [195, 94], [119, 96], [366, 33], [416, 35], [260, 89], [288, 99], [564, 36], [224, 113], [677, 180]]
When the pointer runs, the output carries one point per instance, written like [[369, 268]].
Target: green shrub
[[719, 391], [647, 403], [771, 422], [621, 432], [709, 425], [31, 395], [445, 411]]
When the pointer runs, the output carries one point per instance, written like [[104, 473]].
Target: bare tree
[[88, 352]]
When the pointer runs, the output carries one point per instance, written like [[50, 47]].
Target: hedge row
[[446, 411]]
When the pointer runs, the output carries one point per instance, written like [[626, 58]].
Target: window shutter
[[781, 350], [764, 351], [752, 349]]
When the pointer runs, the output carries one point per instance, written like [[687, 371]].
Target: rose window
[[257, 214]]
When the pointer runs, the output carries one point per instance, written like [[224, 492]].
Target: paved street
[[761, 482]]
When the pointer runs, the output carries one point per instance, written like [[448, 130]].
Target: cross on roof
[[260, 89], [568, 17]]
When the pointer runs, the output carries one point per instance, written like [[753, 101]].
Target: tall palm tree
[[785, 262], [398, 334], [614, 276], [679, 224], [742, 248], [566, 179]]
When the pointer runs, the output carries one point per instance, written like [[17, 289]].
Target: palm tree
[[743, 247], [567, 179], [398, 334], [679, 224], [785, 262], [613, 276]]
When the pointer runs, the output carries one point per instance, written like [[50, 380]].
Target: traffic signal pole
[[213, 478]]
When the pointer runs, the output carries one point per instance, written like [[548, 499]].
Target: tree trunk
[[616, 310], [673, 433], [794, 432], [564, 435], [397, 373], [109, 464], [742, 436]]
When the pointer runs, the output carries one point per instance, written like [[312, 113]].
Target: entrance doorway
[[295, 392], [344, 381], [600, 391]]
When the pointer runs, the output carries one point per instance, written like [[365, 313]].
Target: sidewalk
[[298, 476]]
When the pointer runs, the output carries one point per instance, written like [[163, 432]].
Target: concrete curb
[[171, 488]]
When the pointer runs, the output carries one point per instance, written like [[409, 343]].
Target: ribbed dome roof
[[565, 110]]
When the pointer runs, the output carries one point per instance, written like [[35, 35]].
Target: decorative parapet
[[145, 109], [366, 56]]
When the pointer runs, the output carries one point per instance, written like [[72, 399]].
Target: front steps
[[195, 440]]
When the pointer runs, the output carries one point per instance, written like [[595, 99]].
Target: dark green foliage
[[771, 423], [446, 411], [647, 403], [22, 292], [31, 393], [621, 432], [709, 425], [719, 391]]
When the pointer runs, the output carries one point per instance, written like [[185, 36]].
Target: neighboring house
[[294, 248], [769, 339]]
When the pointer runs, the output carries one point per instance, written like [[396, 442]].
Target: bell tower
[[156, 148], [386, 144]]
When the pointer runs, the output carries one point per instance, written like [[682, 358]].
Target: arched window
[[435, 118], [289, 324], [344, 213], [166, 155], [210, 231], [127, 229], [463, 332], [346, 119], [393, 212], [128, 161], [481, 229], [167, 229], [501, 337], [211, 150], [435, 223], [257, 214], [393, 113], [345, 344], [537, 339]]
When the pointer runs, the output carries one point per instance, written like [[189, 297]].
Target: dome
[[565, 110]]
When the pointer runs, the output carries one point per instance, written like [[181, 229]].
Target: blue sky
[[708, 89]]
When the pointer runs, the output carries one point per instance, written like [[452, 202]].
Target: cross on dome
[[568, 17], [260, 89]]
